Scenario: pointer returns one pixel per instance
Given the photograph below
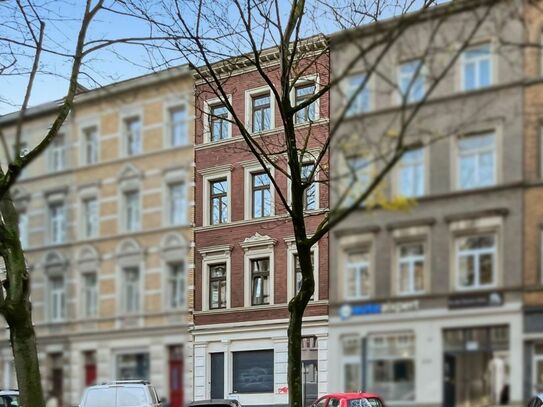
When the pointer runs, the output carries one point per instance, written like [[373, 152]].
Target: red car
[[349, 400]]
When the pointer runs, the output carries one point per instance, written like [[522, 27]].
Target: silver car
[[537, 401], [125, 393]]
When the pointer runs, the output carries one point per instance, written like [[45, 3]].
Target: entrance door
[[90, 368], [449, 384], [176, 376], [217, 375], [57, 377]]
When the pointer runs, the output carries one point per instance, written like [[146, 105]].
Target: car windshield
[[116, 397], [9, 401], [365, 402]]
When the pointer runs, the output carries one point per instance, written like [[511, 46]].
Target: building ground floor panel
[[439, 357], [69, 365], [249, 363]]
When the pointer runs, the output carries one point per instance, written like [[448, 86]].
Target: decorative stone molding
[[257, 240]]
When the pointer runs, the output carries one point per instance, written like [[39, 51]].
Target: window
[[57, 299], [133, 135], [352, 363], [298, 273], [310, 193], [178, 203], [217, 286], [133, 367], [537, 379], [178, 126], [412, 81], [301, 94], [90, 217], [23, 229], [218, 123], [57, 153], [90, 145], [260, 281], [477, 161], [57, 223], [261, 113], [176, 283], [357, 93], [411, 268], [218, 201], [411, 173], [131, 290], [132, 210], [359, 170], [90, 295], [261, 195], [358, 275], [391, 366], [253, 371], [477, 67], [541, 150], [476, 261]]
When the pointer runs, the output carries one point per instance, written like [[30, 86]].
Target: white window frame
[[83, 142], [358, 266], [355, 243], [476, 253], [137, 227], [58, 153], [258, 247], [172, 177], [425, 167], [211, 256], [248, 172], [422, 74], [308, 160], [125, 133], [85, 292], [171, 203], [208, 104], [183, 279], [84, 233], [304, 80], [346, 88], [53, 223], [53, 317], [249, 95], [410, 261], [168, 109], [174, 250], [493, 66], [497, 158], [139, 286], [207, 177], [291, 268], [350, 359]]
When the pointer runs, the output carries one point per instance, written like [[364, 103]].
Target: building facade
[[106, 223], [426, 304], [245, 259]]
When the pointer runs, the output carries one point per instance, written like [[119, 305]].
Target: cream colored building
[[106, 218]]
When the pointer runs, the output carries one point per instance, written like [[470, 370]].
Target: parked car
[[537, 401], [9, 398], [122, 393], [215, 403], [349, 400]]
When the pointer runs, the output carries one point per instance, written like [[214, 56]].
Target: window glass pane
[[476, 161], [178, 118], [253, 372], [357, 93]]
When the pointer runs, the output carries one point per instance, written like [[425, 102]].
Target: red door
[[176, 376], [90, 368]]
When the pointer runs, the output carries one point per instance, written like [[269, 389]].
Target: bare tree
[[281, 42], [28, 35]]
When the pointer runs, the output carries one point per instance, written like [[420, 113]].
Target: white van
[[125, 393]]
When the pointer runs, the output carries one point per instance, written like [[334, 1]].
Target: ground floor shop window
[[352, 363], [391, 366], [537, 382], [134, 366], [253, 371]]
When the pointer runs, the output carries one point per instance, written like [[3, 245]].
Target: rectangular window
[[537, 379], [357, 276], [412, 81], [261, 195], [176, 279], [477, 161], [261, 116], [217, 286], [218, 201], [90, 145], [90, 295], [131, 294], [411, 260], [541, 150], [23, 229], [260, 281], [476, 261], [359, 177], [178, 126], [352, 363], [301, 94], [135, 366], [357, 94], [391, 366], [178, 203], [133, 135], [310, 193], [57, 153], [411, 174], [132, 210], [253, 371], [477, 67], [218, 123], [57, 299], [90, 217], [57, 222], [298, 273]]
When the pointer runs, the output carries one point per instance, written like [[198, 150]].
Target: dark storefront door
[[449, 386], [217, 375]]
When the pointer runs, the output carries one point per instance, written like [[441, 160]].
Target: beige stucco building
[[106, 218]]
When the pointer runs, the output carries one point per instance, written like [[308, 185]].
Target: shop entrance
[[476, 367]]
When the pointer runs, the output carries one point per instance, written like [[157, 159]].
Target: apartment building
[[245, 260], [105, 219], [426, 304]]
